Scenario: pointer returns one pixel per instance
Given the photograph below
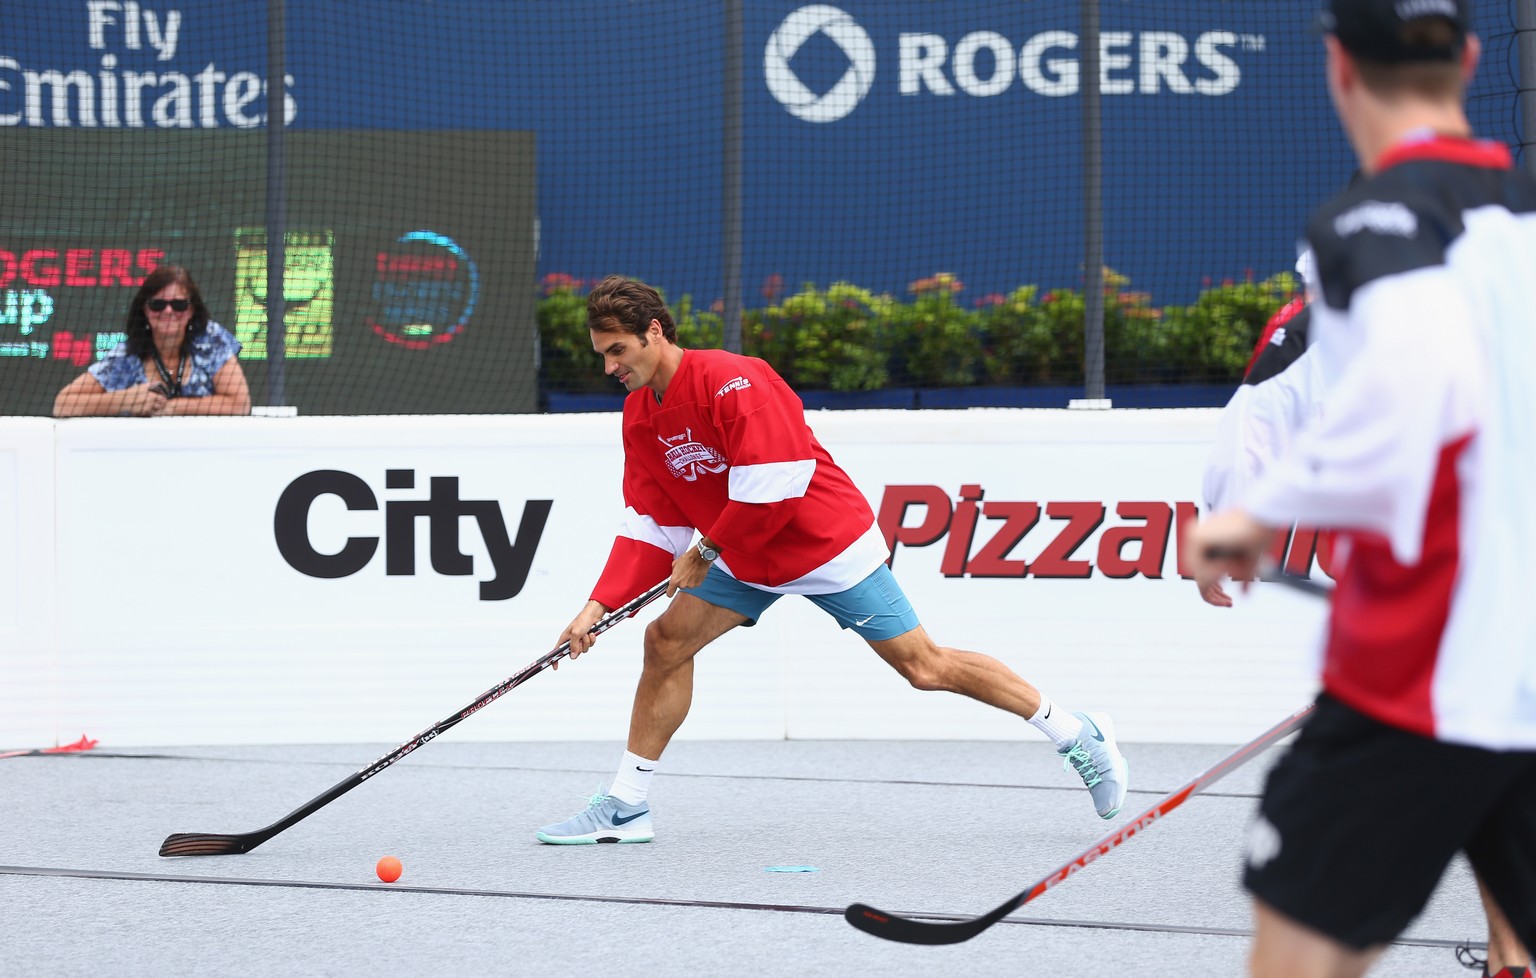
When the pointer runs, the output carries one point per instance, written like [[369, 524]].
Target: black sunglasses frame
[[159, 305]]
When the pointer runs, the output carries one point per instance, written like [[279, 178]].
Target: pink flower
[[561, 282], [943, 280]]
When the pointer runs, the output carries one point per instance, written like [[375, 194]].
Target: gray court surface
[[935, 828]]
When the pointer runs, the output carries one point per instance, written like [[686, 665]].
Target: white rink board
[[151, 604], [28, 664]]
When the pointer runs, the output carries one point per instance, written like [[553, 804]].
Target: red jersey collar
[[1449, 149]]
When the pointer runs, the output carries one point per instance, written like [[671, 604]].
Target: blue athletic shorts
[[875, 607]]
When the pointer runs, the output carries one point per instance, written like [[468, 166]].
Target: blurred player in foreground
[[1424, 740], [1281, 392], [716, 442]]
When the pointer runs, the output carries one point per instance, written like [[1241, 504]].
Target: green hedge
[[845, 338]]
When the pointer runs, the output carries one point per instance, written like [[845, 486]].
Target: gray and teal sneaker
[[605, 819], [1099, 763]]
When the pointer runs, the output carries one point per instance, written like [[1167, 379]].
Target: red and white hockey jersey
[[1426, 453], [727, 452]]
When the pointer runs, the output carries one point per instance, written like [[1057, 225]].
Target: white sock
[[633, 780], [1056, 723]]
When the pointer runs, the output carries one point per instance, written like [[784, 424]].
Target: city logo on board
[[510, 558]]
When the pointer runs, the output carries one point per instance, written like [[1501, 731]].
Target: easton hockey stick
[[907, 930], [206, 844]]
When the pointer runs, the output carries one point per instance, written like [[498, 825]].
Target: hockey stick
[[1269, 570], [206, 844], [1303, 584], [83, 744], [907, 930]]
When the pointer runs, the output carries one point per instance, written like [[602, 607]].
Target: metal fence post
[[730, 230], [1093, 209], [277, 219], [1525, 26]]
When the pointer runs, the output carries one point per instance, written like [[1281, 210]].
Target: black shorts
[[1359, 821]]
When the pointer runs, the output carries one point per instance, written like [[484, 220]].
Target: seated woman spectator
[[174, 361]]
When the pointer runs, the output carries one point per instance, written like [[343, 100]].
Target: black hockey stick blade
[[214, 844], [914, 930]]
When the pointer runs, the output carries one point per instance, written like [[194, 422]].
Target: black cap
[[1372, 30]]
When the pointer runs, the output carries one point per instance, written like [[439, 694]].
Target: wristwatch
[[707, 552]]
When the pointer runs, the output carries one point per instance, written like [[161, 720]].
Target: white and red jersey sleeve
[[1404, 392], [1280, 392], [1257, 427]]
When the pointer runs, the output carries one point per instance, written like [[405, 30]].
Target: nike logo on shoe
[[622, 819], [865, 621], [1097, 734]]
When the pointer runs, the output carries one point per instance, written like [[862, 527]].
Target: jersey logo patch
[[1278, 338], [1377, 216], [739, 384], [686, 457]]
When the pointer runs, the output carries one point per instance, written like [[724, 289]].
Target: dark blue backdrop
[[625, 99]]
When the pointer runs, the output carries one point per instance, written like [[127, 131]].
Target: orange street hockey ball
[[388, 869]]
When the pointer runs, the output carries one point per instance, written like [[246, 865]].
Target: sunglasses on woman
[[180, 305]]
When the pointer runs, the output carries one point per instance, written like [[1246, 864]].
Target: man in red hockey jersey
[[717, 443]]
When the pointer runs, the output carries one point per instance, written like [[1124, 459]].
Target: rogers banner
[[352, 579]]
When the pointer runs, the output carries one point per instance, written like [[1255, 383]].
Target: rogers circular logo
[[791, 92], [424, 292]]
